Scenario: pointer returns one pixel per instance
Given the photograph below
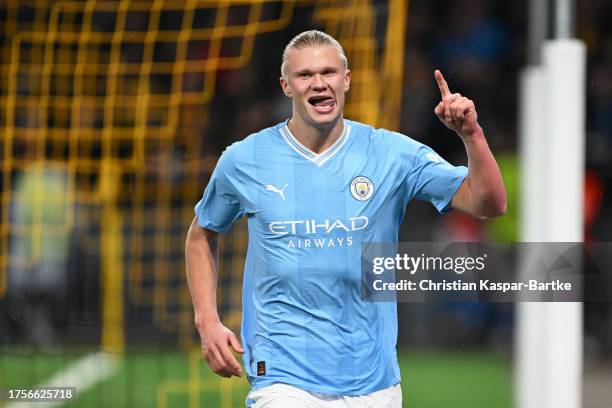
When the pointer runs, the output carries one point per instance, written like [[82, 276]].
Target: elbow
[[501, 204], [495, 209], [488, 201], [497, 212], [501, 201]]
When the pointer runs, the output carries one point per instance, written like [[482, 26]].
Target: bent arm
[[482, 193], [201, 255]]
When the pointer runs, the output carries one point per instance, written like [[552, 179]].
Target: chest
[[315, 197]]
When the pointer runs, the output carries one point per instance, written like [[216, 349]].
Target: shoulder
[[246, 145], [385, 140], [242, 151], [242, 157], [396, 141]]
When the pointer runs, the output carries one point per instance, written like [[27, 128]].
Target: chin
[[324, 120]]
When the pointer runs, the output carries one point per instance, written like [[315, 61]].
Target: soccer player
[[313, 188]]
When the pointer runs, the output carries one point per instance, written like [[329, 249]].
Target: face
[[316, 79]]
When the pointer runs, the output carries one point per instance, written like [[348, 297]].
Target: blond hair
[[312, 38]]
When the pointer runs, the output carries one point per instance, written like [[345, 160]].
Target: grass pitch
[[155, 378]]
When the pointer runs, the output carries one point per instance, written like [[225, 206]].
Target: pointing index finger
[[444, 91]]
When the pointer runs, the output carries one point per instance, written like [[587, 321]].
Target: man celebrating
[[313, 189]]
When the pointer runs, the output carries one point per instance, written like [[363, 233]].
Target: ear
[[285, 87], [347, 80]]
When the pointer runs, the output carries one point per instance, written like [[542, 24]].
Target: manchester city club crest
[[362, 188]]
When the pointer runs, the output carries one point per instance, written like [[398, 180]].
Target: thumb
[[235, 343]]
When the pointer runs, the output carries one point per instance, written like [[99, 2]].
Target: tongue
[[324, 102]]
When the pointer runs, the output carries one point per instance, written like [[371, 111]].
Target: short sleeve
[[221, 204], [433, 179]]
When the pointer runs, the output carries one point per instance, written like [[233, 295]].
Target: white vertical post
[[552, 125], [564, 62], [531, 317]]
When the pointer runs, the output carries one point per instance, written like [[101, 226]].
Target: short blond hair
[[312, 38]]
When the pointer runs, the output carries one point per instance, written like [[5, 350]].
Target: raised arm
[[482, 193], [201, 254]]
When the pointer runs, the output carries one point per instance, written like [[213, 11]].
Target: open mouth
[[322, 103]]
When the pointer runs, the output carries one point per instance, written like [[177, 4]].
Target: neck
[[316, 139]]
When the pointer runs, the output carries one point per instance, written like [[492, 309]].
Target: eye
[[304, 75], [329, 73]]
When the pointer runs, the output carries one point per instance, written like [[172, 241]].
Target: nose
[[318, 84]]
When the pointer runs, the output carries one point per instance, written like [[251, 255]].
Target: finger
[[452, 98], [213, 358], [230, 363], [226, 372], [447, 113], [235, 343], [444, 91], [464, 107], [216, 363], [451, 101], [453, 112], [470, 108], [439, 110], [220, 367], [457, 109], [223, 373]]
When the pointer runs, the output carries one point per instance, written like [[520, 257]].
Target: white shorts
[[287, 396]]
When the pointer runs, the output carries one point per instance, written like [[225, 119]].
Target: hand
[[216, 342], [457, 112]]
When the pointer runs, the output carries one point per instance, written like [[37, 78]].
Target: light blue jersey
[[304, 322]]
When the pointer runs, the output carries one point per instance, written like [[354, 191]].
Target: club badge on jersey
[[362, 188]]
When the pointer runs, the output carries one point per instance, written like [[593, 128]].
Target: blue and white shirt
[[304, 322]]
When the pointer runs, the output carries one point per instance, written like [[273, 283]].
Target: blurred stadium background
[[113, 115]]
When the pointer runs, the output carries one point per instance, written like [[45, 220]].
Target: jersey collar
[[317, 158]]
